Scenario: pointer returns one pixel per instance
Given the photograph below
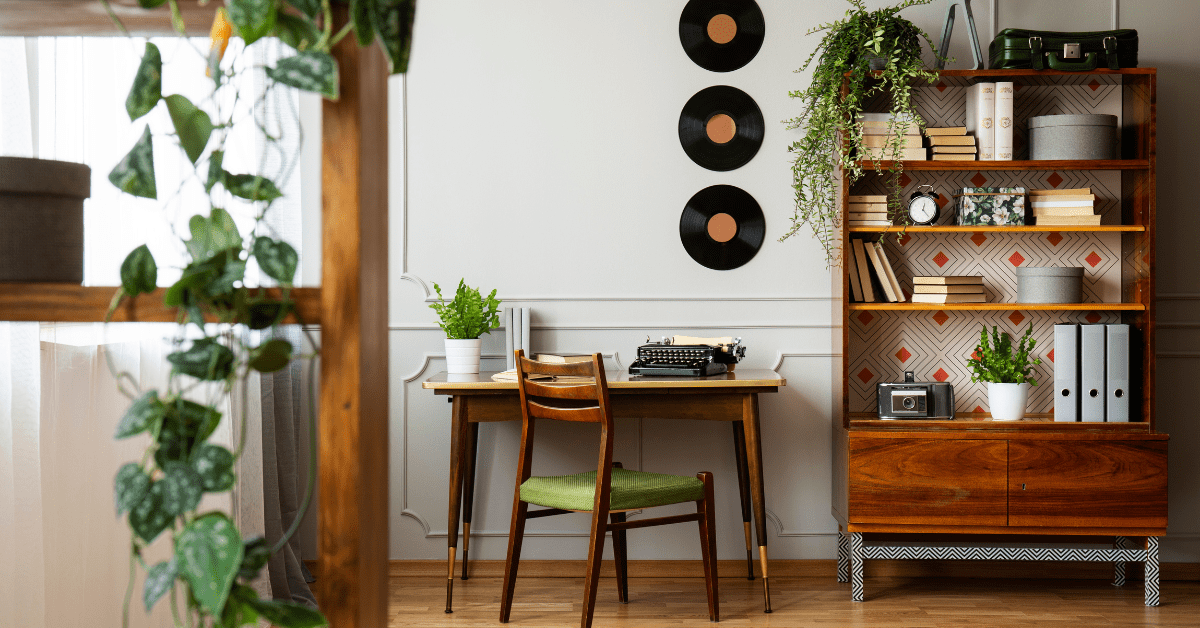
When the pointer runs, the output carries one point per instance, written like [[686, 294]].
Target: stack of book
[[872, 277], [868, 211], [948, 289], [951, 143], [880, 136], [990, 119], [1064, 207]]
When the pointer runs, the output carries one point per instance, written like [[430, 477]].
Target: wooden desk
[[727, 397]]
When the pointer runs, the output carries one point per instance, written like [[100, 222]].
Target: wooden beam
[[45, 302], [353, 433], [64, 18]]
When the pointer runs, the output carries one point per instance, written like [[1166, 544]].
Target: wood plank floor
[[800, 602]]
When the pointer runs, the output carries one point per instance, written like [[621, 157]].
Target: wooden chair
[[608, 491]]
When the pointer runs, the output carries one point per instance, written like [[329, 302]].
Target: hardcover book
[[981, 110], [948, 280], [949, 298], [1004, 121]]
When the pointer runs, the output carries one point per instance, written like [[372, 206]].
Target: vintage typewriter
[[668, 357]]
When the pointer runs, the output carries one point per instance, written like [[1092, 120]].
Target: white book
[[1063, 211], [949, 298], [891, 273], [880, 273], [509, 348], [1004, 121], [852, 272], [981, 110], [1037, 202], [518, 340], [526, 317]]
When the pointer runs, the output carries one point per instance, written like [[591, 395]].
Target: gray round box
[[1049, 284], [1083, 136]]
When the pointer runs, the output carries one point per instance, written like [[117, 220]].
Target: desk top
[[740, 378]]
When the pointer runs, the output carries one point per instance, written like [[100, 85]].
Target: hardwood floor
[[800, 602]]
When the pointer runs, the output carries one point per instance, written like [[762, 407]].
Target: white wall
[[545, 132]]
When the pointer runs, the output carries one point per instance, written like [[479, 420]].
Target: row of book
[[990, 119], [516, 332], [1091, 373], [872, 277], [1064, 207], [868, 210], [885, 137], [948, 289]]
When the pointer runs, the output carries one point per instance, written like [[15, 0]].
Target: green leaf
[[158, 581], [310, 71], [297, 32], [206, 359], [148, 519], [185, 426], [135, 173], [215, 173], [192, 125], [289, 614], [214, 465], [181, 488], [308, 7], [255, 554], [130, 487], [208, 552], [251, 187], [238, 611], [139, 273], [254, 19], [212, 235], [394, 21], [271, 356], [142, 414], [151, 4], [362, 15], [147, 84], [277, 259], [264, 315]]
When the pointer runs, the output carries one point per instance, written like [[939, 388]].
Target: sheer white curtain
[[64, 555]]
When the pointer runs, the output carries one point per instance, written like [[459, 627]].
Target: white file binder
[[1116, 381], [1066, 373], [1091, 373]]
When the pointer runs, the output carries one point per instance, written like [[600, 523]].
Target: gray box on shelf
[[1049, 284], [41, 210], [1081, 136]]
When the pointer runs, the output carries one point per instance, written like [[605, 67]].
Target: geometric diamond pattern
[[1054, 179], [1054, 238], [1015, 259]]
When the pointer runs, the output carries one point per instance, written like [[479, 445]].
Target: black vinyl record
[[721, 35], [721, 128], [722, 227]]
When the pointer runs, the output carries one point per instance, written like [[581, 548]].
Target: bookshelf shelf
[[60, 302], [1050, 307], [1023, 165], [1024, 229]]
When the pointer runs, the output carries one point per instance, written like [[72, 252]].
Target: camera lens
[[909, 403]]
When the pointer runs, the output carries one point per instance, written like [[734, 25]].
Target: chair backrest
[[581, 399]]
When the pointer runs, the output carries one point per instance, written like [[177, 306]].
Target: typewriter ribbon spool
[[722, 227]]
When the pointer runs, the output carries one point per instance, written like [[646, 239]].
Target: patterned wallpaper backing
[[936, 344]]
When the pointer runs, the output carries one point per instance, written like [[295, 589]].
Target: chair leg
[[516, 534], [595, 554], [708, 544], [620, 558]]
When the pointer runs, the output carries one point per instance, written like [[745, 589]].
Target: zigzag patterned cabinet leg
[[1152, 571], [843, 557], [856, 566], [1119, 566]]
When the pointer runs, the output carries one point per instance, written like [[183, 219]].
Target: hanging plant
[[869, 53], [212, 565]]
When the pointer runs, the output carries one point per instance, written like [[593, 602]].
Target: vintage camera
[[915, 400]]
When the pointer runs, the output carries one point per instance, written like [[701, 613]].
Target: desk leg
[[754, 461], [469, 491], [739, 454], [458, 458]]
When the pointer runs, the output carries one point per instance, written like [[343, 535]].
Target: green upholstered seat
[[630, 490]]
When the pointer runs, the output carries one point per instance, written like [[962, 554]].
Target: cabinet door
[[928, 481], [1087, 483]]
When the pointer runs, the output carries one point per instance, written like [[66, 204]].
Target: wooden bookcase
[[969, 475]]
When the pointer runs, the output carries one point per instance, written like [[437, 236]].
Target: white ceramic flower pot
[[1007, 401], [462, 356]]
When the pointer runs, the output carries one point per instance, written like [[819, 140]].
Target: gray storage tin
[[41, 208], [1049, 284], [1085, 136]]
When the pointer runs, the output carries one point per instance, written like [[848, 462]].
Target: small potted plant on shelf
[[464, 319], [871, 53], [1008, 372]]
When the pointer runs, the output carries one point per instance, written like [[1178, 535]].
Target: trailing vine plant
[[211, 564], [833, 130]]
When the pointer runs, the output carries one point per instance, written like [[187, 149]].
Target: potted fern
[[1007, 370], [465, 318], [870, 53]]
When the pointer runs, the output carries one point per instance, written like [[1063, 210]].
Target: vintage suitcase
[[1077, 52]]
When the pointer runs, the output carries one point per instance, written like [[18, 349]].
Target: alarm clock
[[922, 206]]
